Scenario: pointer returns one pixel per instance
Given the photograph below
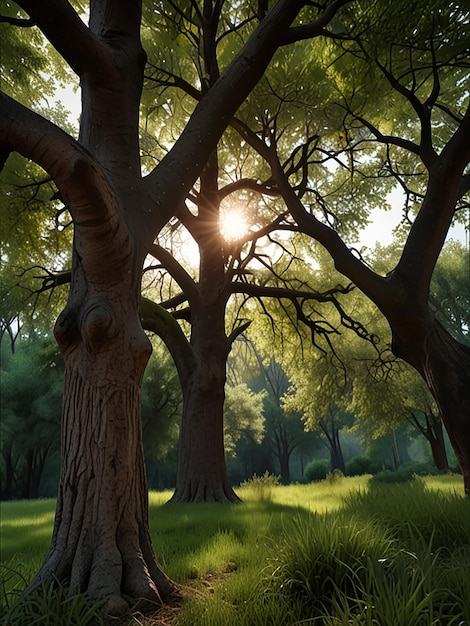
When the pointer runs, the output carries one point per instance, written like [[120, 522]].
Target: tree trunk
[[438, 447], [434, 433], [202, 471], [395, 453], [26, 489], [9, 474], [444, 364], [283, 455], [336, 453], [101, 542]]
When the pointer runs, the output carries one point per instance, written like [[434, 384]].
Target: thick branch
[[184, 280], [430, 228], [94, 205], [316, 28], [177, 172], [62, 26], [157, 320], [346, 263]]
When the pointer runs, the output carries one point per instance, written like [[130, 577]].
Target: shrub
[[405, 473], [316, 470], [334, 477], [262, 486], [362, 464]]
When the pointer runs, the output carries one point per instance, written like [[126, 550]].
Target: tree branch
[[157, 320], [94, 206], [184, 280], [62, 26], [179, 169], [316, 28]]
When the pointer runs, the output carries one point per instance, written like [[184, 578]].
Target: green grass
[[335, 552]]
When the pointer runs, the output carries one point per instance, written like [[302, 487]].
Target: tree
[[227, 261], [417, 60], [102, 545], [243, 416]]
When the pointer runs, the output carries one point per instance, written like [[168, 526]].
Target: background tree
[[231, 192], [423, 145], [243, 417]]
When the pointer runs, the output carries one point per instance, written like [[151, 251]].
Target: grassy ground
[[335, 552]]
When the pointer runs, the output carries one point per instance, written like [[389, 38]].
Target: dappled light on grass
[[343, 551]]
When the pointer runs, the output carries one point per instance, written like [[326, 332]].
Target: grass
[[335, 552]]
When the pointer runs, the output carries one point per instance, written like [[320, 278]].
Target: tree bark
[[202, 472], [101, 543]]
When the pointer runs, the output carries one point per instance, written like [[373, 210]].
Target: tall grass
[[335, 552]]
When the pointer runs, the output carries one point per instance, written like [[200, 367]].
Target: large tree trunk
[[202, 471], [444, 364], [101, 542]]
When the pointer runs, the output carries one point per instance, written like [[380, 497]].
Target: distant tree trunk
[[395, 453], [28, 473], [438, 448], [336, 456], [333, 443], [434, 432], [40, 459], [283, 454], [202, 471], [9, 473]]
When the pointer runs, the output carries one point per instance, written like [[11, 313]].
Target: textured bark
[[101, 543]]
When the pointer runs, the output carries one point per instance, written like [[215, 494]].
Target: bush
[[387, 476], [334, 476], [316, 470], [405, 473], [362, 464], [262, 486]]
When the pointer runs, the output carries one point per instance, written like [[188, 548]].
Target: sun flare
[[233, 225]]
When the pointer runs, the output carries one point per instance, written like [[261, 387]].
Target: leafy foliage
[[316, 470], [243, 416]]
